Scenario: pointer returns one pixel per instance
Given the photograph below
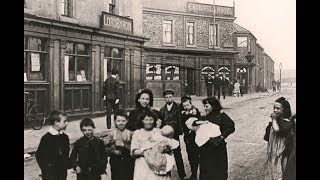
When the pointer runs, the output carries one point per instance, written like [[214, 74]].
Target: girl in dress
[[118, 144], [140, 138], [280, 129]]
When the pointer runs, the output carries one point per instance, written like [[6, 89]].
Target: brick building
[[186, 43], [70, 46]]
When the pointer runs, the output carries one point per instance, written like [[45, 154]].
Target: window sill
[[191, 45], [28, 11], [78, 82], [68, 19], [168, 45], [36, 82]]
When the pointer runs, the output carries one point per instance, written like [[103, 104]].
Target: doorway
[[191, 81]]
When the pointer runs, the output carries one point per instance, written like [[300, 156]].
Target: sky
[[272, 22]]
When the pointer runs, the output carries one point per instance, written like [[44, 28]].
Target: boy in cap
[[170, 115]]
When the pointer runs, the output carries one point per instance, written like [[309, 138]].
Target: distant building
[[186, 43]]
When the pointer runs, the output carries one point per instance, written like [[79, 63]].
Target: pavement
[[32, 137]]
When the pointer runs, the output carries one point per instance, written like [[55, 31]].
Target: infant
[[204, 130], [158, 151]]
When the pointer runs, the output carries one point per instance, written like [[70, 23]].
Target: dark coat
[[89, 155], [213, 154], [224, 83], [111, 88], [216, 83], [209, 82], [53, 156], [171, 118]]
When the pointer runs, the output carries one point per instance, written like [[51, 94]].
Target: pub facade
[[187, 42], [70, 48]]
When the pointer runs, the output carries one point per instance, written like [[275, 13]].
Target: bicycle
[[32, 116]]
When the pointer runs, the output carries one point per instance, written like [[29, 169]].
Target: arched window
[[207, 70]]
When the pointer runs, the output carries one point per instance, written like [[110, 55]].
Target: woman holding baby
[[213, 154], [140, 140]]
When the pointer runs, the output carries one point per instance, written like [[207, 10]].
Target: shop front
[[65, 64], [184, 71]]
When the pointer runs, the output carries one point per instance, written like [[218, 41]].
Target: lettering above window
[[207, 9], [116, 23]]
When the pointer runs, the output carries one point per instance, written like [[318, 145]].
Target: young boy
[[88, 157], [158, 154], [118, 144], [53, 151]]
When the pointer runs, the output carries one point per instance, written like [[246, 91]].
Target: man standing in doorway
[[209, 83], [111, 92], [216, 86], [170, 115], [224, 86]]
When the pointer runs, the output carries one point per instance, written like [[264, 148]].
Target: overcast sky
[[273, 23]]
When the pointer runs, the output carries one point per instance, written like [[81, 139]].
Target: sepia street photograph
[[159, 90]]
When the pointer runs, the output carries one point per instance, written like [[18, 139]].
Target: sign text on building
[[207, 9], [115, 23]]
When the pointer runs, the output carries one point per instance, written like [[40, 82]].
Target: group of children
[[89, 156]]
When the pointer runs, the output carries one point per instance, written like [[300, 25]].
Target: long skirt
[[213, 162]]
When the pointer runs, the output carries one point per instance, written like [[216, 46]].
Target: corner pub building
[[70, 48], [186, 43]]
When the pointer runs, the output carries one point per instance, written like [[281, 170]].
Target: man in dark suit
[[209, 83], [224, 86], [111, 92], [216, 86], [170, 115]]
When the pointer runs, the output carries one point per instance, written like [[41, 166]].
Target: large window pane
[[85, 98], [77, 99], [167, 31], [81, 49], [82, 68], [69, 48], [36, 44], [68, 100]]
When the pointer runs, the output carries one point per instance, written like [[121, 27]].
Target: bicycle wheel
[[36, 121]]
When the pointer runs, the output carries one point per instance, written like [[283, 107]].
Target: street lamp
[[280, 67]]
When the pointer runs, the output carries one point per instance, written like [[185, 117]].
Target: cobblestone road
[[246, 147]]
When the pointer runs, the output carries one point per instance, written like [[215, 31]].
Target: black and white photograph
[[159, 90]]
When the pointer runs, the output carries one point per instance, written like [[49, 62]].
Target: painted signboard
[[207, 9], [116, 23]]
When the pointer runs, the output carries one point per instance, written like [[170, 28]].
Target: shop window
[[207, 69], [167, 31], [224, 70], [171, 72], [214, 35], [114, 58], [34, 59], [66, 8], [153, 71], [77, 62], [190, 33]]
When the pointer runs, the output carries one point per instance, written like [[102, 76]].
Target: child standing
[[88, 156], [118, 144], [53, 151], [158, 153]]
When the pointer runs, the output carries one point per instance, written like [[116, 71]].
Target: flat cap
[[168, 91]]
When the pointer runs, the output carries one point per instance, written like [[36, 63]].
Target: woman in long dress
[[280, 129], [140, 138], [213, 154]]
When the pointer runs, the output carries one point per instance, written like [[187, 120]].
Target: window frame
[[43, 61], [171, 32], [75, 55], [112, 6], [193, 33], [215, 36], [67, 4]]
